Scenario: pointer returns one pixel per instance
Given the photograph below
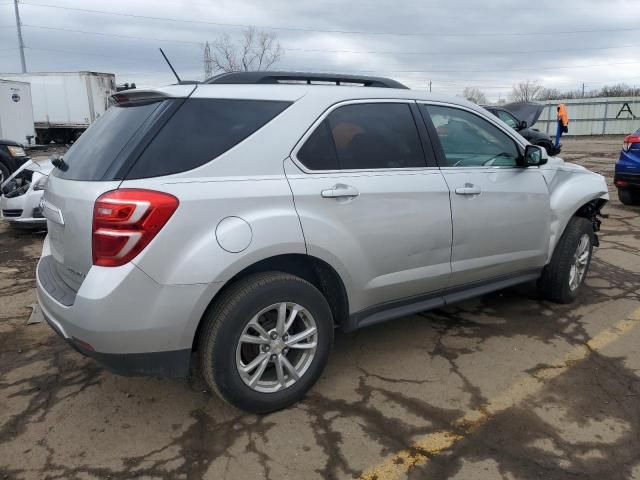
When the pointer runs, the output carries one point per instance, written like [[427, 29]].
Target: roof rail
[[303, 77]]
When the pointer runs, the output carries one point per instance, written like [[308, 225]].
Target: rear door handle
[[340, 191], [469, 189]]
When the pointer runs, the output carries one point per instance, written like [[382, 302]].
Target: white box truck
[[66, 103], [16, 112]]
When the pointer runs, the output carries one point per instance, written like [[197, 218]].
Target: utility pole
[[583, 90], [20, 42], [208, 61], [429, 86]]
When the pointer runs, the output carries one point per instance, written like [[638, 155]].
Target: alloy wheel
[[580, 262], [276, 347]]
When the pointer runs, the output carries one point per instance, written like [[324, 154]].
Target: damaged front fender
[[573, 190]]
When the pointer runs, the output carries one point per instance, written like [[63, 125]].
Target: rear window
[[201, 130], [97, 148]]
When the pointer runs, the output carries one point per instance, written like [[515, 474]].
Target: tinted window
[[94, 152], [365, 136], [201, 130], [469, 141], [318, 152], [376, 135], [507, 118]]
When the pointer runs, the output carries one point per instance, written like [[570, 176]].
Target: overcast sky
[[488, 44]]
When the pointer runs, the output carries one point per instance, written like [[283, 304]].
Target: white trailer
[[16, 112], [66, 103]]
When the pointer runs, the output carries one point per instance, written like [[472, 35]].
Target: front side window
[[365, 136], [468, 140], [508, 119]]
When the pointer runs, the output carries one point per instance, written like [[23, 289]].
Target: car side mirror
[[523, 125], [534, 156]]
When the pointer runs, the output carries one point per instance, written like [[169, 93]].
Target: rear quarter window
[[201, 130]]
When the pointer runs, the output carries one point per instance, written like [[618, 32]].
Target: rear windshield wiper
[[59, 163]]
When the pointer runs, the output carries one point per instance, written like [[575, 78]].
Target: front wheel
[[564, 275], [266, 341]]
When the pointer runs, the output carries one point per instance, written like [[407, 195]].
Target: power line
[[92, 54], [134, 37], [349, 32], [487, 70], [430, 71], [318, 50]]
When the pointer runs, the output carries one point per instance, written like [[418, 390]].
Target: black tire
[[225, 322], [554, 283], [628, 197], [4, 172], [43, 137]]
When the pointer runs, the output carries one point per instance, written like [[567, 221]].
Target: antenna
[[170, 66]]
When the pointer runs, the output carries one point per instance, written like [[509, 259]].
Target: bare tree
[[474, 95], [526, 91], [256, 50], [549, 94]]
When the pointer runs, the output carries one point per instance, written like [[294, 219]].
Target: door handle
[[469, 189], [340, 191]]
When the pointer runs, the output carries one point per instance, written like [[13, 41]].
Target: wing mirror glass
[[534, 156]]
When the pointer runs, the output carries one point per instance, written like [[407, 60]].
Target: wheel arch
[[313, 269], [589, 209]]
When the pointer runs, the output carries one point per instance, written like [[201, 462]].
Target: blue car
[[627, 175]]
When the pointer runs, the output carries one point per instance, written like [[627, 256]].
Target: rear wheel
[[562, 278], [43, 137], [266, 341], [629, 197]]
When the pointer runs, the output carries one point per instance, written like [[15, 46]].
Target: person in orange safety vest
[[563, 122]]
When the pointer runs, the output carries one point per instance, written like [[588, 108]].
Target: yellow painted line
[[422, 450]]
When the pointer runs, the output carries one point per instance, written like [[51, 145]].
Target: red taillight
[[618, 182], [125, 221], [630, 140]]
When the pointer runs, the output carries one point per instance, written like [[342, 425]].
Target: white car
[[22, 192]]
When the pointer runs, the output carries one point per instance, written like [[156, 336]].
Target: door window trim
[[437, 146], [430, 164]]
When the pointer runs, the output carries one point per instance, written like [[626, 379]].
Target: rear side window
[[97, 148], [201, 130], [365, 136], [318, 152]]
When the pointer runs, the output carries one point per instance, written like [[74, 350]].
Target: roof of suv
[[293, 92], [310, 78]]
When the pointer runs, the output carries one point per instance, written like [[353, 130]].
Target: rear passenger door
[[371, 201], [500, 210]]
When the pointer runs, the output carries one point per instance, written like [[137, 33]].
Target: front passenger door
[[500, 210]]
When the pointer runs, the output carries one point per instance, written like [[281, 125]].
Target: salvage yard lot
[[504, 386]]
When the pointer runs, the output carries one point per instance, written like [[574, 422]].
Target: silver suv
[[244, 219]]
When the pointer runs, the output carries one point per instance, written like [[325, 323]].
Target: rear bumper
[[164, 364], [626, 180], [126, 321]]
